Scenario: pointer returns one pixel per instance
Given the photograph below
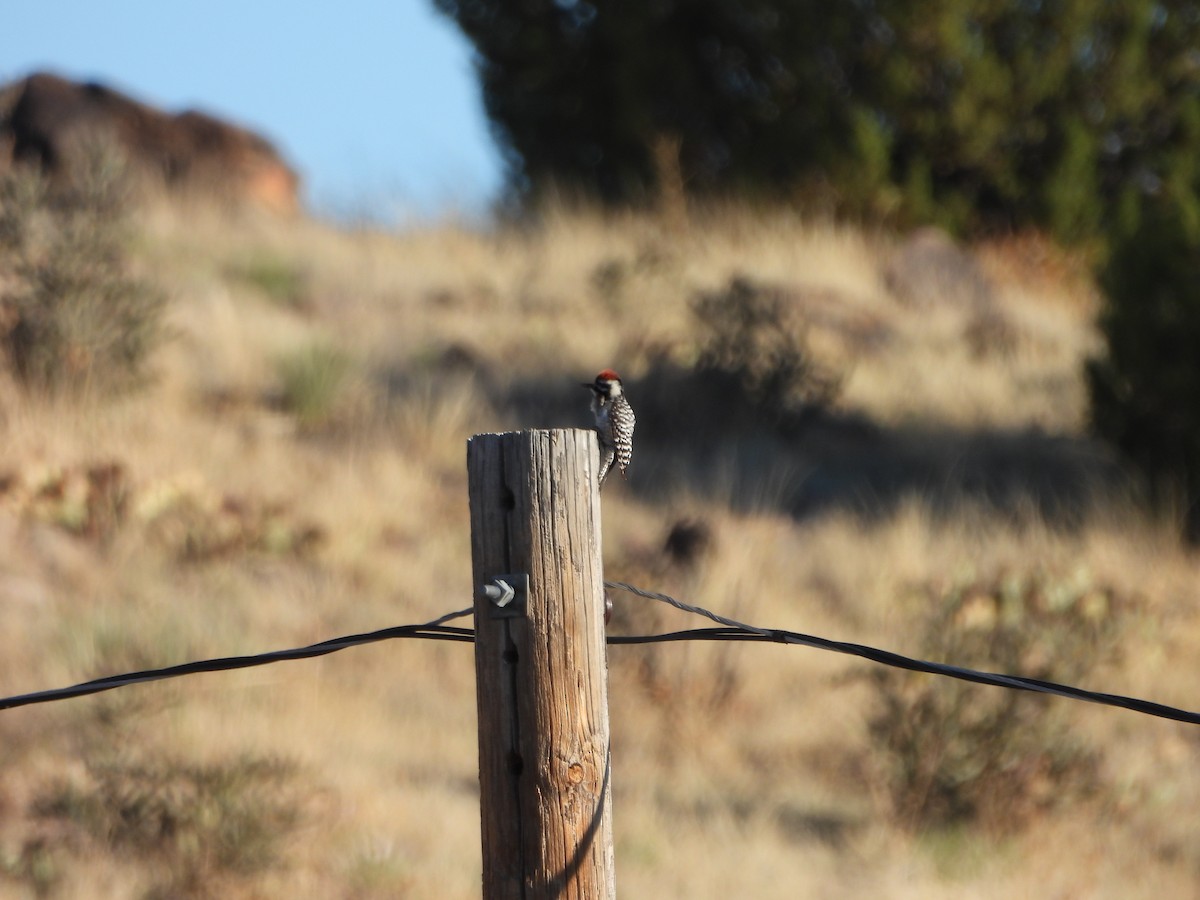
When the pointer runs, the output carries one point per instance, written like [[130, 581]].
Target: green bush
[[314, 380], [72, 315], [1145, 392], [952, 752], [278, 279]]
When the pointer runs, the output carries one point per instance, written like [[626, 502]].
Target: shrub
[[959, 753], [751, 336], [194, 820], [313, 380], [278, 279], [71, 313], [1144, 391]]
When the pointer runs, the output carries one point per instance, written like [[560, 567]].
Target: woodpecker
[[614, 422]]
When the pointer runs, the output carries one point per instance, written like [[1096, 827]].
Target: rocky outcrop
[[48, 120]]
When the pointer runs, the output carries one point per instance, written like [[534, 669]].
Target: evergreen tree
[[1144, 390], [1061, 114], [579, 92]]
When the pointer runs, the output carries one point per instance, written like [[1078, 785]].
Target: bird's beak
[[586, 384]]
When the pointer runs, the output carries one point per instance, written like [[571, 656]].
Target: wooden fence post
[[540, 666]]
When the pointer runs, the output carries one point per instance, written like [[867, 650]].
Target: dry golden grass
[[738, 771]]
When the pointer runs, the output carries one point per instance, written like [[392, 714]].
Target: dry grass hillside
[[849, 434]]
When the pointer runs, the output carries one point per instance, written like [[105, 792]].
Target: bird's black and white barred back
[[614, 422]]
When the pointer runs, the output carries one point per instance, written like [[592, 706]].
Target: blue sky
[[373, 101]]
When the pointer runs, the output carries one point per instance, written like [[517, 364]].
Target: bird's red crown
[[608, 375]]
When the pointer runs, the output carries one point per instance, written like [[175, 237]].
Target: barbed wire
[[730, 630], [435, 630], [742, 631]]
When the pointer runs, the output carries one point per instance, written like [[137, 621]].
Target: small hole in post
[[511, 656], [508, 499], [516, 765]]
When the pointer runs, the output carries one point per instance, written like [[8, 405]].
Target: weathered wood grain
[[542, 675]]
